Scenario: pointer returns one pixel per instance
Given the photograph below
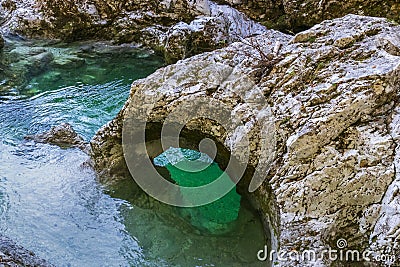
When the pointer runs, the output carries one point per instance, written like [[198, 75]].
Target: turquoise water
[[190, 168], [51, 203]]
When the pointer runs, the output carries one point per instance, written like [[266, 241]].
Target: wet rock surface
[[62, 135], [13, 255], [332, 95]]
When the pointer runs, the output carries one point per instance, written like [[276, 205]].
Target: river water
[[52, 204]]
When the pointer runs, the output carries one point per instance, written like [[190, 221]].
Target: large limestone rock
[[192, 26], [329, 160], [221, 27], [297, 15], [177, 29], [90, 19]]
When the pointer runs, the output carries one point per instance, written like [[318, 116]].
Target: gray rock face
[[298, 15], [329, 160], [177, 29], [221, 27]]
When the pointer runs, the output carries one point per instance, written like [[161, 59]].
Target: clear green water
[[191, 168], [52, 204]]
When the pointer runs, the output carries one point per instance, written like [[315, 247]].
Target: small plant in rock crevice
[[265, 62]]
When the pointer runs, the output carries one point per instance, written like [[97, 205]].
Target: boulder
[[225, 25], [62, 135], [37, 64], [319, 112]]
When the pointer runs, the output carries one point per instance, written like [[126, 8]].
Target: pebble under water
[[52, 204]]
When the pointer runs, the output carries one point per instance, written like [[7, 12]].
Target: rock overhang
[[330, 98]]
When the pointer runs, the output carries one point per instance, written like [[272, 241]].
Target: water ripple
[[85, 107]]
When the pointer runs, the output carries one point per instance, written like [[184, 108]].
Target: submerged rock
[[33, 66], [20, 64], [320, 111], [62, 135], [224, 25], [12, 255], [68, 62], [39, 63]]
